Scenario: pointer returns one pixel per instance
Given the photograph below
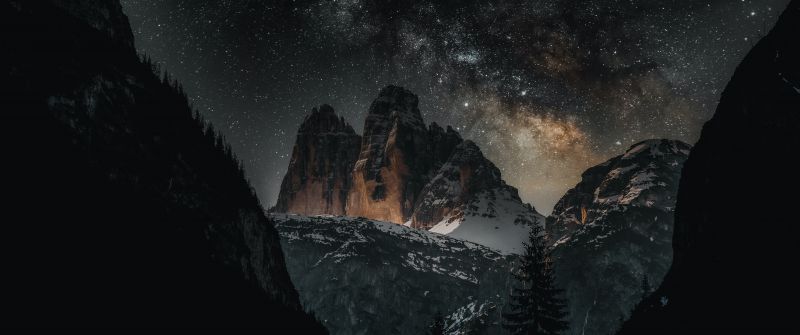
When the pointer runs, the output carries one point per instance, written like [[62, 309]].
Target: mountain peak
[[324, 109], [396, 91], [102, 15], [618, 217], [403, 172], [468, 199], [469, 145], [319, 174], [657, 147], [323, 119], [639, 177], [397, 103], [395, 159]]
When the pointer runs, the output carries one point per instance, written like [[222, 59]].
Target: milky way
[[546, 88]]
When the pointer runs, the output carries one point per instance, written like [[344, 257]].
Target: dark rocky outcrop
[[394, 163], [320, 171], [121, 209], [464, 175], [441, 143], [646, 175], [466, 172], [612, 230], [468, 199], [735, 222]]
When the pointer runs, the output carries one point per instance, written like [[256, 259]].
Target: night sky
[[546, 88]]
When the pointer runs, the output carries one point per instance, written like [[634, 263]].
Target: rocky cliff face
[[394, 162], [646, 175], [320, 170], [404, 173], [735, 224], [468, 199], [614, 229], [465, 173], [123, 210], [369, 277]]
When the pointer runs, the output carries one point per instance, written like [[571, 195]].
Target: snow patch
[[494, 220]]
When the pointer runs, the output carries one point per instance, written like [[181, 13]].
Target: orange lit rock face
[[381, 175], [319, 175], [394, 162]]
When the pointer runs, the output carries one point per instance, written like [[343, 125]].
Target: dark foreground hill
[[121, 209], [736, 224]]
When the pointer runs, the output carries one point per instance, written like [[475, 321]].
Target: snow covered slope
[[493, 218], [360, 276]]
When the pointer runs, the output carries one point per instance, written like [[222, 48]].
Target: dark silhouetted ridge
[[122, 208], [735, 242]]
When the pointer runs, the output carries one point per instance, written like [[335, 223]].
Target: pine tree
[[646, 289], [535, 305], [436, 326]]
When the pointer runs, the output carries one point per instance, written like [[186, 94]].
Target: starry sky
[[547, 88]]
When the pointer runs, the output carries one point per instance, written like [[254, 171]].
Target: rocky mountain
[[406, 173], [394, 163], [353, 272], [612, 230], [121, 208], [360, 276], [735, 226], [468, 199], [320, 170]]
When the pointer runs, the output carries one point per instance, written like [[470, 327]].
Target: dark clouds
[[546, 88]]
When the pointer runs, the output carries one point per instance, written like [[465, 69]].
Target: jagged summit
[[615, 226], [394, 161], [324, 120], [394, 106], [396, 100], [468, 151], [657, 147], [319, 175], [401, 171], [635, 178], [466, 171], [103, 15], [468, 199]]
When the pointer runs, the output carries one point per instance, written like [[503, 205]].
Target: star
[[558, 85]]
